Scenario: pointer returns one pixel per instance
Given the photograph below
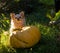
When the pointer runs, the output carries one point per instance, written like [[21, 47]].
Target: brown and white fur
[[17, 21]]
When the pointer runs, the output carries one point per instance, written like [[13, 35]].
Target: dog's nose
[[18, 19]]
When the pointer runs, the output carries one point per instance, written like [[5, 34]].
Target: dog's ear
[[22, 14], [12, 15]]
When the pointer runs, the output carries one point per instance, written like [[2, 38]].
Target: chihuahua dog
[[17, 21]]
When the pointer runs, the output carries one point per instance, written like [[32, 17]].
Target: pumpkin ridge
[[22, 41]]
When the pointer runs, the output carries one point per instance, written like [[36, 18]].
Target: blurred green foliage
[[4, 22], [26, 5], [47, 2], [57, 16]]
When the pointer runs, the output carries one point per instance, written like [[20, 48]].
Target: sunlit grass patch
[[5, 43], [5, 38]]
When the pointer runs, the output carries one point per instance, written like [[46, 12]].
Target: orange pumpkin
[[27, 37]]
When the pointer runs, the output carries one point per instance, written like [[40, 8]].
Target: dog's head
[[17, 20], [17, 16]]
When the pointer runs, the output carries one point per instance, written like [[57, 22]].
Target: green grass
[[48, 42]]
